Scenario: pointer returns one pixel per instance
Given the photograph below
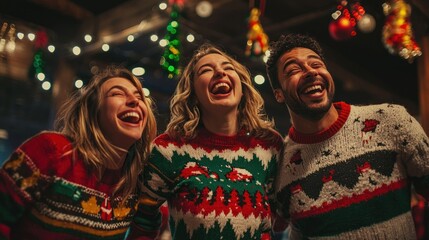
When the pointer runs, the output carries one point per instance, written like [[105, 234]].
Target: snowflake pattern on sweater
[[352, 181], [217, 187], [45, 194]]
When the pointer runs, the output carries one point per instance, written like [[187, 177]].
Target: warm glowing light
[[88, 38], [162, 6], [204, 9], [41, 76], [51, 48], [31, 36], [259, 79], [344, 22], [76, 50], [163, 42], [190, 38], [130, 38], [105, 47], [154, 37], [20, 35], [138, 71], [78, 83], [146, 92], [46, 85]]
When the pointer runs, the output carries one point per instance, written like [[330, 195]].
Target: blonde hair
[[78, 119], [185, 114]]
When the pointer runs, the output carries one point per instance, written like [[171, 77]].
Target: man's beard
[[302, 109]]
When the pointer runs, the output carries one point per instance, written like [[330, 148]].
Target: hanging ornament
[[40, 44], [177, 3], [397, 31], [41, 40], [10, 45], [7, 37], [3, 39], [343, 25], [367, 23], [171, 57], [257, 40]]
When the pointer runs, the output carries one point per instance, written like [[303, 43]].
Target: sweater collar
[[343, 113]]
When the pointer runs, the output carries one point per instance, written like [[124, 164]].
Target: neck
[[310, 126], [117, 161], [223, 124]]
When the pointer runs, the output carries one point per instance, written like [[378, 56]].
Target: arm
[[415, 152], [147, 221], [278, 222], [22, 181], [155, 189]]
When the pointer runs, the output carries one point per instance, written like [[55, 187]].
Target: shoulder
[[46, 140], [162, 139], [384, 110], [382, 107], [272, 139], [45, 148]]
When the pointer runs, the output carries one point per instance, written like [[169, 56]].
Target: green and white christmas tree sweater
[[217, 187], [353, 180]]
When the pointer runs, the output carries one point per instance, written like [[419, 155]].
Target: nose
[[309, 72], [132, 101], [219, 72]]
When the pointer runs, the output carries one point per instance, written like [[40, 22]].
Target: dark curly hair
[[285, 44]]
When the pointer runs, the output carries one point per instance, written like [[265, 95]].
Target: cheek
[[145, 113]]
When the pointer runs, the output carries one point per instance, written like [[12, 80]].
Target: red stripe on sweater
[[210, 141], [347, 201]]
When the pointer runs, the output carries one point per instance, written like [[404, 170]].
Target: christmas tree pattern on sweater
[[217, 187]]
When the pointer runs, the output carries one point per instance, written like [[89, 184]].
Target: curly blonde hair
[[78, 119], [185, 114]]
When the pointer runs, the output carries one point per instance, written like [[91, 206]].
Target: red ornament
[[341, 29], [106, 210], [41, 39]]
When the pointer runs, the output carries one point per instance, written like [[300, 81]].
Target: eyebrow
[[293, 60], [123, 89], [208, 64]]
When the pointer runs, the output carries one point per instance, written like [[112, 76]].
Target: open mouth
[[130, 117], [221, 88], [313, 89]]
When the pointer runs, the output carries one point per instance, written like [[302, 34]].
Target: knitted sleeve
[[156, 186], [414, 144], [23, 178], [272, 171]]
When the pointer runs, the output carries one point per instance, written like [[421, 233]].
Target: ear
[[278, 94]]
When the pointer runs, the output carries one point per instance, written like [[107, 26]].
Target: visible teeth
[[219, 85], [130, 114], [312, 88]]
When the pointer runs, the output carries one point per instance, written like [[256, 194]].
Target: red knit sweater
[[45, 194]]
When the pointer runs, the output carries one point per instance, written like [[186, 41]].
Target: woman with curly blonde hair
[[80, 182], [215, 163]]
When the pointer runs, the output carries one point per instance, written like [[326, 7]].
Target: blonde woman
[[216, 161], [81, 181]]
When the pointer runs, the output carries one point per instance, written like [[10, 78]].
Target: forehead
[[118, 81], [298, 53], [211, 58]]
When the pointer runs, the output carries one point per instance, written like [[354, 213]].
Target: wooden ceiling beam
[[66, 7], [114, 26], [422, 5]]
